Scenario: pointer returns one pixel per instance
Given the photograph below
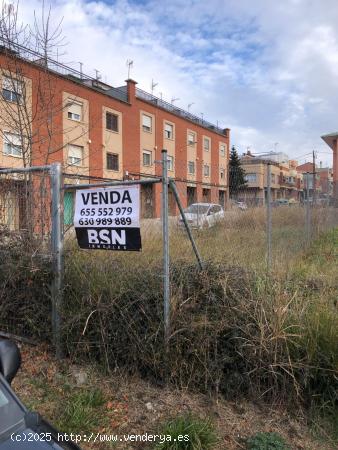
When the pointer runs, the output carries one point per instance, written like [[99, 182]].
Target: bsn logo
[[112, 237]]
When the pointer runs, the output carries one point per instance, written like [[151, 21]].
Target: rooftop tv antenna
[[81, 67], [190, 105], [153, 86], [174, 99], [129, 64]]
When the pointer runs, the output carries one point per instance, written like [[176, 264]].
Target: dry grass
[[237, 329], [50, 387]]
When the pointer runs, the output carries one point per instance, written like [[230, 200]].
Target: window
[[170, 163], [273, 178], [214, 209], [191, 167], [75, 111], [251, 177], [222, 149], [12, 144], [112, 122], [206, 144], [75, 155], [222, 174], [112, 161], [191, 139], [146, 123], [147, 160], [206, 170], [168, 131], [11, 89]]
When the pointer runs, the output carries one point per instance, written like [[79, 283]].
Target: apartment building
[[332, 141], [99, 131], [256, 176], [325, 181], [286, 181], [311, 179]]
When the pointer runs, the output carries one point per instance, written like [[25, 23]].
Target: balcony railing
[[177, 111], [13, 49]]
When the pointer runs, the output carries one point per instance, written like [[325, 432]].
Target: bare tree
[[29, 107]]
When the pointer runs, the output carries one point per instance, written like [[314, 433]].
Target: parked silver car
[[202, 215]]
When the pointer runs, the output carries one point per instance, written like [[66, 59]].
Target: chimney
[[131, 90], [321, 164], [226, 131]]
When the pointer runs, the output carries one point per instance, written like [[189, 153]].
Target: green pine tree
[[236, 173]]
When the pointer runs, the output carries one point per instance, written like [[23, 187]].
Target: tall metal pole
[[307, 218], [165, 238], [314, 178], [269, 217], [57, 255]]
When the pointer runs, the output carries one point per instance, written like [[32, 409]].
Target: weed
[[187, 433], [80, 411], [266, 441]]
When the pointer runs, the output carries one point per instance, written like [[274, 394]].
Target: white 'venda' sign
[[108, 218]]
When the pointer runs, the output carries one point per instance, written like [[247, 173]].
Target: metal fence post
[[187, 228], [57, 255], [307, 212], [165, 238], [269, 217]]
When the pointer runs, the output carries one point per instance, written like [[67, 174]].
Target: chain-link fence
[[25, 251], [139, 309], [257, 225]]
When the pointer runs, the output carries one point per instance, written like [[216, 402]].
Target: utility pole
[[314, 178]]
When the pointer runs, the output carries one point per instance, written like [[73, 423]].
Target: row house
[[286, 181], [325, 181], [50, 113], [311, 177]]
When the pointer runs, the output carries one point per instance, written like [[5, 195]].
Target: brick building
[[98, 131], [325, 181], [332, 141], [286, 180]]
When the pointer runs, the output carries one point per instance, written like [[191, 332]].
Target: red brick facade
[[48, 130]]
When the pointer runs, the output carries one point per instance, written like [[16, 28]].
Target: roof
[[330, 138], [118, 93], [254, 160]]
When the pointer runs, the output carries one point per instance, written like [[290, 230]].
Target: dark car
[[19, 427]]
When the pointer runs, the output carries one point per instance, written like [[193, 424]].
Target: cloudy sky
[[266, 69]]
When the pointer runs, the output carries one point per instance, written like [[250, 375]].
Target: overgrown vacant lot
[[80, 399], [239, 333]]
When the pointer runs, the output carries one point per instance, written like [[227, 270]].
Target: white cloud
[[268, 70]]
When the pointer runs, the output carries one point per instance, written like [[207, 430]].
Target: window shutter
[[13, 139], [75, 151], [76, 108], [10, 84], [146, 121]]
